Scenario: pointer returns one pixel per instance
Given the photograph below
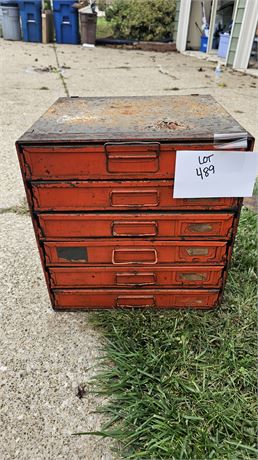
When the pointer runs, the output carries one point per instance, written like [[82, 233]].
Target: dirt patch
[[48, 68]]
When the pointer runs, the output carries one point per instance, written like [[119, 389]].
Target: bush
[[142, 19], [103, 4]]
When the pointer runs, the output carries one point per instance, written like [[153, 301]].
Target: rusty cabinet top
[[98, 119]]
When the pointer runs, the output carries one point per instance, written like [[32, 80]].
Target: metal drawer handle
[[154, 153], [135, 251], [142, 156], [125, 276], [130, 156], [128, 301], [153, 224], [131, 193]]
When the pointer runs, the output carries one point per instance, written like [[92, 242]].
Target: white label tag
[[213, 173]]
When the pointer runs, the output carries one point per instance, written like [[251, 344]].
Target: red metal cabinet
[[99, 176]]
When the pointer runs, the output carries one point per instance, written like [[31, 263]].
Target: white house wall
[[246, 37], [183, 21], [178, 3], [236, 29]]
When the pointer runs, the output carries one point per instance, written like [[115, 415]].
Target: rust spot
[[132, 117], [167, 124]]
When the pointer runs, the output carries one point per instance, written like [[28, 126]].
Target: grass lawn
[[104, 29], [181, 385]]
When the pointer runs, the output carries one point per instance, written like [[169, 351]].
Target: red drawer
[[169, 276], [83, 196], [136, 160], [60, 226], [122, 252], [119, 298]]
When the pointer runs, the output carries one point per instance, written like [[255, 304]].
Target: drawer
[[122, 252], [135, 160], [177, 225], [120, 195], [119, 298], [168, 276]]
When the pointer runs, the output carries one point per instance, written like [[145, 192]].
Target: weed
[[21, 208]]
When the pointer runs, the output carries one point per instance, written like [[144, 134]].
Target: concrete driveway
[[45, 355]]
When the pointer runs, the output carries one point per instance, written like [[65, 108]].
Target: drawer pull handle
[[120, 156], [134, 198], [200, 228], [129, 301], [131, 279], [151, 224], [132, 157], [145, 256]]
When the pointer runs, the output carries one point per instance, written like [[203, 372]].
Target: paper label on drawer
[[205, 174]]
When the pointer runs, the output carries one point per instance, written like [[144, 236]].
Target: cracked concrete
[[46, 355]]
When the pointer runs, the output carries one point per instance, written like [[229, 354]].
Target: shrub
[[103, 4], [142, 19]]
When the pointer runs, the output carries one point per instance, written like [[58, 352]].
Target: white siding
[[240, 9]]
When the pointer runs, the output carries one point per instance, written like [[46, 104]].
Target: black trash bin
[[88, 27]]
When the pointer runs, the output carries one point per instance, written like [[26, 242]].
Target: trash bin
[[88, 27], [11, 22], [30, 11], [47, 27], [204, 43], [223, 45], [1, 22], [66, 22]]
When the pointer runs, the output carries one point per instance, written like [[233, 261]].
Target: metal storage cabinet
[[99, 175]]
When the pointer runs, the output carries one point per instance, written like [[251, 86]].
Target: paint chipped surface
[[124, 118], [166, 125]]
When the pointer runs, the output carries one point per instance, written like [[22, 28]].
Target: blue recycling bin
[[8, 3], [204, 44], [66, 22], [30, 12]]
